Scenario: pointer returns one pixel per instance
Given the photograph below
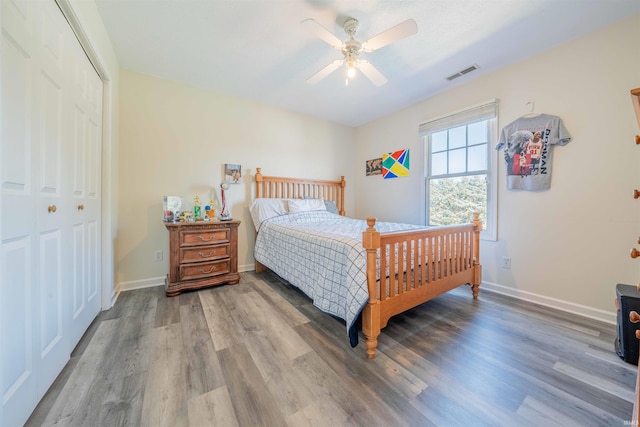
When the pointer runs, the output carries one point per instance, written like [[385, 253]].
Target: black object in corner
[[626, 344]]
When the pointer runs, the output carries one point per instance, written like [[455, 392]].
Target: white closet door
[[85, 137], [51, 127], [20, 321], [52, 198]]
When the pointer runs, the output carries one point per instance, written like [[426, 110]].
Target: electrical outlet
[[506, 262], [158, 256]]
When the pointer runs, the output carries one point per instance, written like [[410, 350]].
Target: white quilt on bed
[[321, 253]]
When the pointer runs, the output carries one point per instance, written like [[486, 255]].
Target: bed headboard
[[297, 188]]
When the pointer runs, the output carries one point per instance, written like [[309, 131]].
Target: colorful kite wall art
[[395, 164]]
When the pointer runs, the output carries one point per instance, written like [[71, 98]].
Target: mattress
[[321, 253]]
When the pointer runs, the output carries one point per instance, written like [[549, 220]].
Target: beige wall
[[175, 140], [569, 246]]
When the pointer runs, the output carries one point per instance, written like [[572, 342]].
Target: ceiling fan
[[351, 48]]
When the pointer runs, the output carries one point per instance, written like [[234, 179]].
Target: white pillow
[[263, 209], [306, 205]]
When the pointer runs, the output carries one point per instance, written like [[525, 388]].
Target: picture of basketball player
[[534, 149]]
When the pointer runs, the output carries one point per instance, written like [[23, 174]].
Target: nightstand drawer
[[204, 237], [204, 269], [203, 253]]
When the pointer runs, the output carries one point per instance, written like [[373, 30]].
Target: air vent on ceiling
[[463, 72]]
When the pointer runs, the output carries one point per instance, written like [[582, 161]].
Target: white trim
[[115, 293], [140, 284], [74, 22], [2, 284], [159, 281], [566, 306], [246, 267], [491, 230]]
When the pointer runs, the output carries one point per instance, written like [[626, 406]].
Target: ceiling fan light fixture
[[352, 64], [351, 48]]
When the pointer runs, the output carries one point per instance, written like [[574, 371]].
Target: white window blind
[[483, 111]]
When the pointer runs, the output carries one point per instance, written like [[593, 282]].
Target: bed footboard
[[406, 269]]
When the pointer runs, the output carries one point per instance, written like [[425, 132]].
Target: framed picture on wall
[[232, 173], [374, 167]]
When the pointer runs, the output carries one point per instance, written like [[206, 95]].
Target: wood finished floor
[[259, 354]]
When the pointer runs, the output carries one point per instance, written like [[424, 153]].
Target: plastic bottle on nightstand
[[210, 211], [196, 207]]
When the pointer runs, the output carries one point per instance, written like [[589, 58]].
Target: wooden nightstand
[[202, 254]]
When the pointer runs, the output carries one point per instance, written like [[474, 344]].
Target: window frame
[[485, 111]]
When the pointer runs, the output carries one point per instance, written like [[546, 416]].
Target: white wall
[[569, 246], [175, 140]]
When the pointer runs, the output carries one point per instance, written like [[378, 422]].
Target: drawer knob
[[52, 208], [634, 317], [637, 139], [636, 194], [80, 207], [201, 270], [634, 253]]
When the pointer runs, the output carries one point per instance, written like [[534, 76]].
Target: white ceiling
[[258, 50]]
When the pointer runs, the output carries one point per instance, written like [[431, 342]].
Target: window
[[461, 168]]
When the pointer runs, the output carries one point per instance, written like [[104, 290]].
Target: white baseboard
[[246, 267], [569, 307], [159, 281], [114, 296], [139, 284]]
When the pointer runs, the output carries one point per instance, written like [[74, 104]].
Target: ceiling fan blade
[[323, 33], [325, 71], [393, 34], [371, 73]]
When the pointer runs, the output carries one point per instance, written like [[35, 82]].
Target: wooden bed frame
[[414, 267]]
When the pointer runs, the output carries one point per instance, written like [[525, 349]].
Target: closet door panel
[[86, 146], [16, 129], [79, 274], [53, 351], [19, 330], [92, 211], [52, 209], [49, 134], [52, 204], [79, 151], [18, 70], [78, 171], [16, 296], [93, 265]]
